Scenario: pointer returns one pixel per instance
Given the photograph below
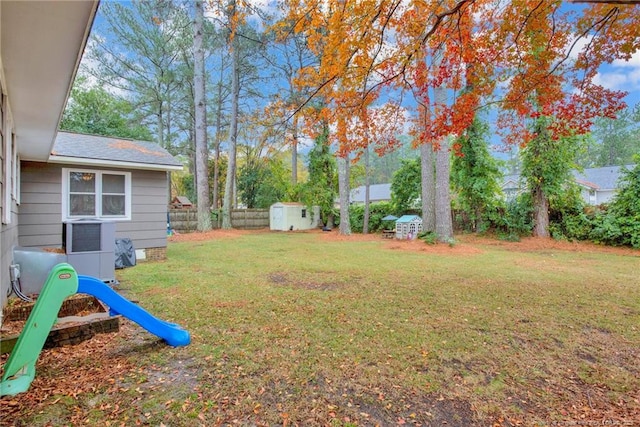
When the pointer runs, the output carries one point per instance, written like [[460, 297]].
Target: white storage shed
[[293, 216]]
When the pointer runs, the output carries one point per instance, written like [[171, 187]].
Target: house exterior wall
[[604, 196], [8, 194], [597, 197], [41, 207]]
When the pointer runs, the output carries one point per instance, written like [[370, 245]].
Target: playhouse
[[293, 216], [408, 226]]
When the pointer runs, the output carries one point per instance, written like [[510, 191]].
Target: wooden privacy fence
[[186, 220]]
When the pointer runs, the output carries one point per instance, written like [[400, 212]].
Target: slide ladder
[[20, 368], [63, 281]]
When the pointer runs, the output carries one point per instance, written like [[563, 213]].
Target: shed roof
[[76, 148], [293, 204], [183, 200]]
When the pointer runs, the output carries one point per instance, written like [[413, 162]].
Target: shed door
[[277, 218]]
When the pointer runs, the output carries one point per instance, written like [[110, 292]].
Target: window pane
[[82, 182], [112, 183], [82, 204], [113, 205]]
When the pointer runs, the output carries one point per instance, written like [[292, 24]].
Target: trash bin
[[125, 253]]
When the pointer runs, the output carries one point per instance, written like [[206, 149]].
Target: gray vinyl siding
[[41, 208], [41, 205], [148, 225], [8, 239]]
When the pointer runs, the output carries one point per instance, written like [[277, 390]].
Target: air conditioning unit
[[90, 247]]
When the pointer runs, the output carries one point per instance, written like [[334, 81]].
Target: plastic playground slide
[[62, 282], [173, 334], [20, 368]]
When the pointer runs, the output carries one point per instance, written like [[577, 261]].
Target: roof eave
[[40, 66], [113, 163]]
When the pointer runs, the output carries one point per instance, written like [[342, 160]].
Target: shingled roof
[[75, 148], [605, 178]]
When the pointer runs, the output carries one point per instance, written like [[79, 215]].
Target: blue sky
[[619, 75]]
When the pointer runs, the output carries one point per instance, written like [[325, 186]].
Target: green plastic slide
[[20, 368]]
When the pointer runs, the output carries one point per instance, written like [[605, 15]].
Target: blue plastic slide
[[173, 334]]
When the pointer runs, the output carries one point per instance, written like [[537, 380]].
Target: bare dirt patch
[[283, 279]]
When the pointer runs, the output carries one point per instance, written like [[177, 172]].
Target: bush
[[567, 217], [429, 237], [619, 225], [516, 219], [377, 211]]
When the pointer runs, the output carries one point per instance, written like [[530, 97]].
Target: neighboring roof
[[42, 43], [605, 178], [587, 184], [409, 218], [376, 192], [80, 149], [512, 179]]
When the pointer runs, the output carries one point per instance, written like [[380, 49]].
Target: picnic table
[[388, 234]]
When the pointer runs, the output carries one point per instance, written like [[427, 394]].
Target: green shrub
[[619, 225], [377, 211], [517, 218], [429, 237], [567, 217]]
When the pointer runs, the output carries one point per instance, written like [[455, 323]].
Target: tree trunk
[[541, 213], [216, 163], [444, 222], [202, 152], [294, 151], [367, 184], [229, 196], [428, 190], [343, 188]]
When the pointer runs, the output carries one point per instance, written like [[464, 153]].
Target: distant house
[[597, 185], [511, 186], [95, 177], [377, 193]]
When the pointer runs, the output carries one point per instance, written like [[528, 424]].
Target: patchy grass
[[309, 329]]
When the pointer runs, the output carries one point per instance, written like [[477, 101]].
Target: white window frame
[[7, 134], [98, 208]]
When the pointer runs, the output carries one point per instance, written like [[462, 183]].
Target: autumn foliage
[[530, 58]]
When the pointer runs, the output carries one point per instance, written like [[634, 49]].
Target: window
[[304, 213], [6, 143], [96, 194]]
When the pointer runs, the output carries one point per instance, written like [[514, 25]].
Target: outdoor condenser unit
[[90, 247]]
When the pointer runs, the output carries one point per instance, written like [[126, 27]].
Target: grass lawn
[[314, 329]]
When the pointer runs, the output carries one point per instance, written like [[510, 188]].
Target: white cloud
[[611, 79], [621, 75], [634, 62]]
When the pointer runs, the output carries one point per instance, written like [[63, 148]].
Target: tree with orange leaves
[[518, 55]]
